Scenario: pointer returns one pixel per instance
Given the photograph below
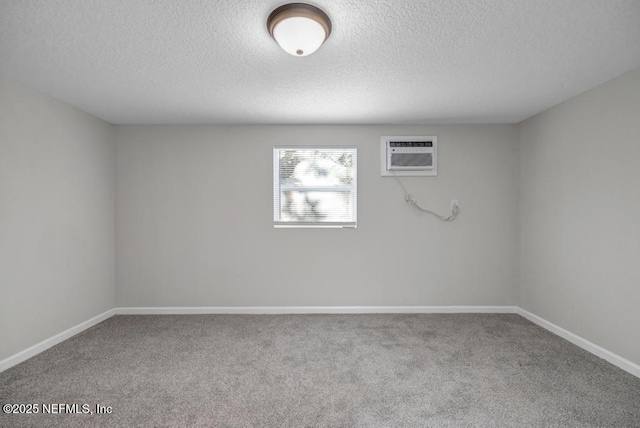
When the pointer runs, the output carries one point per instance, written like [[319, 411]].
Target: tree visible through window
[[314, 186]]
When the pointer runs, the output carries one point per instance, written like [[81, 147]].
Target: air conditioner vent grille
[[411, 159]]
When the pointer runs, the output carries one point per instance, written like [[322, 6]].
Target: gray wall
[[580, 215], [56, 217], [194, 221], [193, 215]]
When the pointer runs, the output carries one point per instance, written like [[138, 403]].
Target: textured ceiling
[[387, 61]]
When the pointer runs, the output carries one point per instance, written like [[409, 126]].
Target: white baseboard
[[596, 350], [609, 356], [52, 341], [317, 310]]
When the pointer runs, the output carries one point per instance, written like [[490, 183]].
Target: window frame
[[352, 189]]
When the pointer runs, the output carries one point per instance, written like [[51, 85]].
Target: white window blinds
[[314, 186]]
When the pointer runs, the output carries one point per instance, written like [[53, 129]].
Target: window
[[314, 186]]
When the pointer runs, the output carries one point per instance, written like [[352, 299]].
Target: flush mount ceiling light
[[299, 28]]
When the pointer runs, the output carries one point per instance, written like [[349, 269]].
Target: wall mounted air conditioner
[[409, 156]]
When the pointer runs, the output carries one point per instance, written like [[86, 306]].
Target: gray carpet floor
[[322, 370]]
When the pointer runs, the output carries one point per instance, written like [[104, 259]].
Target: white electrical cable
[[408, 198]]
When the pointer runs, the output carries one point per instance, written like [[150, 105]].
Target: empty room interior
[[336, 213]]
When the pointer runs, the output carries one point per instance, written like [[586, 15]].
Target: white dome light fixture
[[299, 28]]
